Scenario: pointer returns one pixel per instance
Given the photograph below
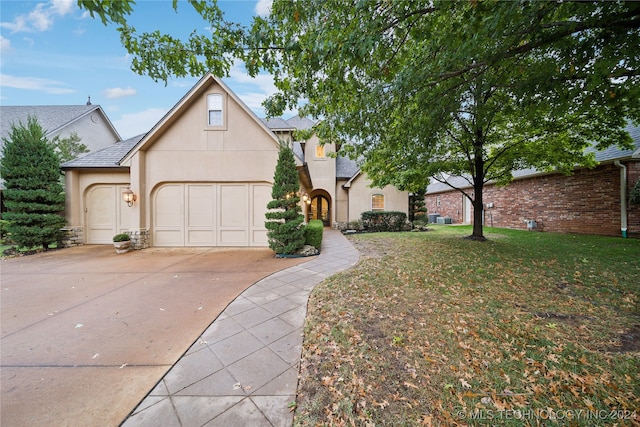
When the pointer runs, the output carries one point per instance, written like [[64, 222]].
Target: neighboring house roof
[[277, 124], [52, 118], [301, 123], [109, 157], [607, 155]]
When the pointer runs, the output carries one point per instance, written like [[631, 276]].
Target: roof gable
[[187, 101], [52, 118]]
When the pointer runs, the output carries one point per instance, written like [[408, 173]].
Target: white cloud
[[117, 92], [62, 7], [35, 83], [130, 125], [41, 18], [264, 82], [263, 7], [5, 45]]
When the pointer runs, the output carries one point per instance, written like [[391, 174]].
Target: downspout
[[623, 197]]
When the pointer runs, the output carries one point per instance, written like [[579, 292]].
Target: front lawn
[[527, 328]]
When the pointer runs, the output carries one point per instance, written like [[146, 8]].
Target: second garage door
[[210, 214]]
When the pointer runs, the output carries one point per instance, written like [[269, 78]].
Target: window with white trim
[[377, 202], [214, 109], [320, 152]]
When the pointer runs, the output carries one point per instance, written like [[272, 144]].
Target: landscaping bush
[[313, 233], [355, 225], [4, 236], [384, 221]]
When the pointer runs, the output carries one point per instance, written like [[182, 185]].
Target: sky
[[53, 53]]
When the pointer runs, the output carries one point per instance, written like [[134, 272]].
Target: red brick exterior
[[586, 202]]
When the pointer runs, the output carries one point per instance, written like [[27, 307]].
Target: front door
[[319, 209]]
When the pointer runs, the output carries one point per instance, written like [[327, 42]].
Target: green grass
[[433, 329], [24, 250]]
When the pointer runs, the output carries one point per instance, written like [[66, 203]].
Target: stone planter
[[122, 247]]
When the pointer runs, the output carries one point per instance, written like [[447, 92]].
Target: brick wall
[[586, 202]]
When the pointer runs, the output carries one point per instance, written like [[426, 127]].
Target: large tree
[[34, 197], [429, 89]]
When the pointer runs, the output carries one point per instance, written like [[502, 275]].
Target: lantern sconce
[[129, 197], [305, 198]]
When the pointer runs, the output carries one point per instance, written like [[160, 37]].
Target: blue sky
[[52, 53]]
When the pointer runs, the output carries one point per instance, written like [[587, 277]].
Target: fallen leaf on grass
[[408, 384], [464, 383]]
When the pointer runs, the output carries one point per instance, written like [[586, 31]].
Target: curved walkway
[[243, 370]]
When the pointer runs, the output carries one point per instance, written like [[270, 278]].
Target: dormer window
[[214, 107]]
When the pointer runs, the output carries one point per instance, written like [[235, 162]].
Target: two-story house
[[202, 176]]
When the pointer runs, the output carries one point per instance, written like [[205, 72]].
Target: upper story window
[[377, 202], [320, 152], [214, 107]]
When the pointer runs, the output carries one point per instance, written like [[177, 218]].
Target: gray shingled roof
[[297, 150], [277, 123], [345, 167], [50, 117], [607, 155], [301, 123], [109, 157]]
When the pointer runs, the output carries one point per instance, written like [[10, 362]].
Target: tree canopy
[[419, 89]]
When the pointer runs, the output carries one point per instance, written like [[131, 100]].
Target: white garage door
[[210, 214], [106, 213]]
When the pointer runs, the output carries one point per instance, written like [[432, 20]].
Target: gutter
[[623, 197]]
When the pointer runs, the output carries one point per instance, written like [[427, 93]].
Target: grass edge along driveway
[[429, 328]]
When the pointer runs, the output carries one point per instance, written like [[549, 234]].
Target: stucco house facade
[[202, 176], [590, 201]]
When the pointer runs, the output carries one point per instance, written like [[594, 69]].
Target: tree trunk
[[478, 213], [478, 187]]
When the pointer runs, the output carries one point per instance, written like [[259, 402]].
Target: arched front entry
[[320, 208]]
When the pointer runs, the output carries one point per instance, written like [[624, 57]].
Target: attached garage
[[106, 213], [210, 214], [198, 181]]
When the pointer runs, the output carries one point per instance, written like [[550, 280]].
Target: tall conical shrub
[[34, 197], [284, 218]]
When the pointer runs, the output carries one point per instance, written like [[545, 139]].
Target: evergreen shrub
[[313, 233], [384, 221]]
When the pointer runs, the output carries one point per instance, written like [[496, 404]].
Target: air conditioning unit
[[444, 220]]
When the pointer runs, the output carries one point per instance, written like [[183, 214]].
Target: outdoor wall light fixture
[[129, 197]]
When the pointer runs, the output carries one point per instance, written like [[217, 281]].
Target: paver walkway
[[243, 370]]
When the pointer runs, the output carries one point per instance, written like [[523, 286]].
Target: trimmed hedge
[[313, 233], [384, 221]]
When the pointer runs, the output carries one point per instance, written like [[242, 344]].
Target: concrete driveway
[[86, 333]]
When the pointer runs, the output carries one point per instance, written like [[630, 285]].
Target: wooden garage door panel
[[101, 214], [210, 214], [169, 216], [261, 196], [107, 214], [234, 214], [201, 219]]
